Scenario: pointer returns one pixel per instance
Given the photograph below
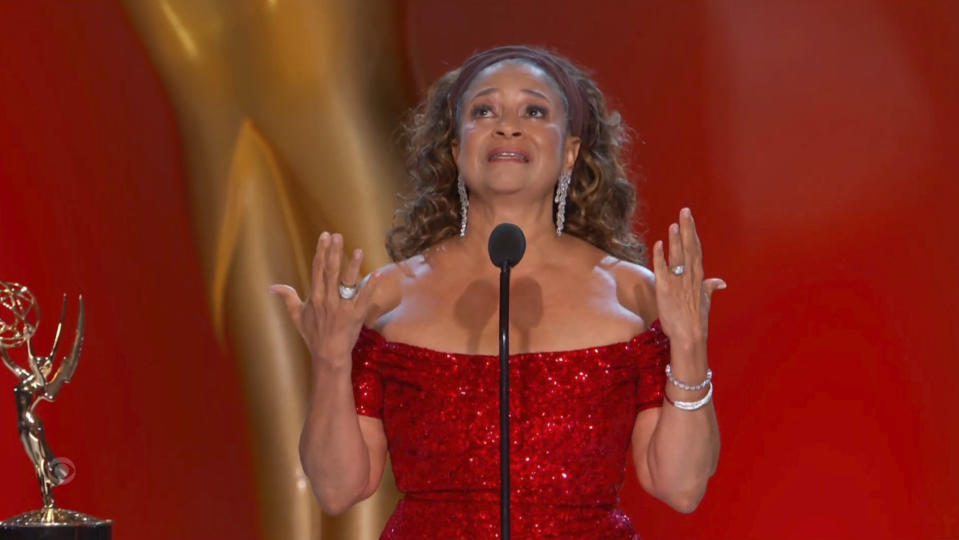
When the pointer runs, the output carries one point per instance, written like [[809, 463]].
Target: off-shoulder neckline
[[654, 327]]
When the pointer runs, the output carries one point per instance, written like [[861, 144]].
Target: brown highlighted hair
[[601, 200]]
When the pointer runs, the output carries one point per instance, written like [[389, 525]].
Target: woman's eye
[[536, 111], [482, 111]]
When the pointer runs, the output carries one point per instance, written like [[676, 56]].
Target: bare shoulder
[[635, 286], [389, 288]]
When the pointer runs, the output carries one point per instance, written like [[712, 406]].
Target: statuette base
[[55, 524]]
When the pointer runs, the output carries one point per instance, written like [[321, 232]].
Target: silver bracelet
[[684, 386], [692, 405]]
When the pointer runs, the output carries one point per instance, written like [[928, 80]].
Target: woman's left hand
[[682, 295]]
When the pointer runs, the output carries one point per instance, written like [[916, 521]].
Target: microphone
[[507, 244]]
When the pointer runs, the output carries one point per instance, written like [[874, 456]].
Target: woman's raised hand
[[327, 322], [682, 295]]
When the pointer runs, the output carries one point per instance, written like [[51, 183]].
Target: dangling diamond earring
[[464, 204], [562, 187]]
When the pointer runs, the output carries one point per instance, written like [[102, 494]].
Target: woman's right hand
[[329, 324]]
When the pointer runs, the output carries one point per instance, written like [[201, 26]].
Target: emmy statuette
[[19, 317]]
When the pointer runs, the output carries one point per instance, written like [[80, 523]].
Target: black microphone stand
[[507, 244], [504, 399]]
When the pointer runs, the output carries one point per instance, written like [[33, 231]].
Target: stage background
[[815, 142]]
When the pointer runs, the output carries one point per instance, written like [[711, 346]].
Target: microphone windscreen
[[507, 244]]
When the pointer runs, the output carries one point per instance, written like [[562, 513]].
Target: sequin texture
[[571, 418]]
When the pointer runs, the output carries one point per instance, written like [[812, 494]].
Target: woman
[[516, 135]]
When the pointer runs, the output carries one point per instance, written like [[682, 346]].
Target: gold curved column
[[286, 111]]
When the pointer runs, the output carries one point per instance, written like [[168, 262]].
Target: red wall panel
[[92, 202], [815, 143]]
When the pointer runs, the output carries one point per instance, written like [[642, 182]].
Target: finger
[[319, 258], [690, 238], [365, 298], [332, 268], [290, 299], [353, 269], [676, 255], [659, 261], [712, 285]]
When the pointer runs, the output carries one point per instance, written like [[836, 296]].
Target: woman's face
[[512, 134]]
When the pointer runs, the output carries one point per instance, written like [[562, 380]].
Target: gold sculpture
[[287, 111], [19, 317]]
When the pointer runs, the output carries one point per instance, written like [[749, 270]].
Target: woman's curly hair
[[601, 200]]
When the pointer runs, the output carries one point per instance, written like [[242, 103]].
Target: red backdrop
[[813, 140], [93, 201]]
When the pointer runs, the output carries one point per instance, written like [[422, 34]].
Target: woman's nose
[[508, 128]]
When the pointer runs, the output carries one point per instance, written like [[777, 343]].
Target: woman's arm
[[676, 451], [341, 454]]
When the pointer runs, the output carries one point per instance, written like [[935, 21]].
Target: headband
[[575, 103]]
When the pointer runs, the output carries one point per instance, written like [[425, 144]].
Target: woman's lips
[[508, 154]]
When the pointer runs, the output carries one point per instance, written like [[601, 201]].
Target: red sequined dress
[[571, 417]]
